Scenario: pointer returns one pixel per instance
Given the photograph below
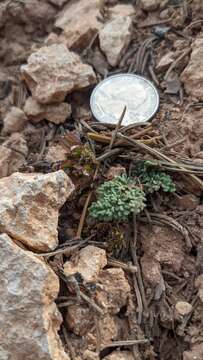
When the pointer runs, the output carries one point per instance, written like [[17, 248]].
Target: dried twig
[[126, 343], [159, 155], [122, 265], [113, 137], [84, 212]]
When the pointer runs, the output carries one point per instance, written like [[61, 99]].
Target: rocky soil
[[73, 288]]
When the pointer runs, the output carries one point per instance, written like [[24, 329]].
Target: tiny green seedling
[[117, 199]]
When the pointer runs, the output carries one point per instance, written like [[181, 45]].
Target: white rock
[[199, 285], [53, 71], [192, 76], [90, 261], [13, 153], [183, 308], [121, 10], [150, 5], [56, 113], [56, 152], [29, 205], [29, 319], [79, 21], [114, 38], [15, 121], [120, 355], [115, 290]]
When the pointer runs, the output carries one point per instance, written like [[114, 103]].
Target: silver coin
[[111, 95]]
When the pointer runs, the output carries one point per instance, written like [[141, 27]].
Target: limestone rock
[[183, 308], [196, 352], [192, 76], [56, 152], [199, 285], [151, 270], [150, 5], [120, 355], [29, 207], [53, 71], [13, 153], [121, 10], [115, 290], [79, 21], [165, 61], [29, 320], [114, 38], [90, 261], [14, 121], [90, 355], [114, 171], [80, 320], [56, 113]]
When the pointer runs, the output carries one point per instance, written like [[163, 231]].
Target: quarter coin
[[111, 95]]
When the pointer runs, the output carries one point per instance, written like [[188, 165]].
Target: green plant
[[154, 180], [117, 199]]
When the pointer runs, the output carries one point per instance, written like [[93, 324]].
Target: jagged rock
[[79, 21], [199, 285], [53, 71], [13, 153], [121, 10], [150, 5], [81, 321], [192, 76], [90, 355], [114, 38], [114, 171], [151, 270], [196, 352], [91, 260], [29, 207], [182, 308], [165, 61], [56, 113], [115, 290], [15, 121], [120, 355], [56, 152], [29, 320]]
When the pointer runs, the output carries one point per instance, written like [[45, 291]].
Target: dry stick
[[82, 218], [153, 75], [110, 153], [120, 264], [159, 155], [158, 22], [66, 251], [91, 303], [113, 138], [125, 343], [138, 279], [169, 146], [174, 64], [68, 343]]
